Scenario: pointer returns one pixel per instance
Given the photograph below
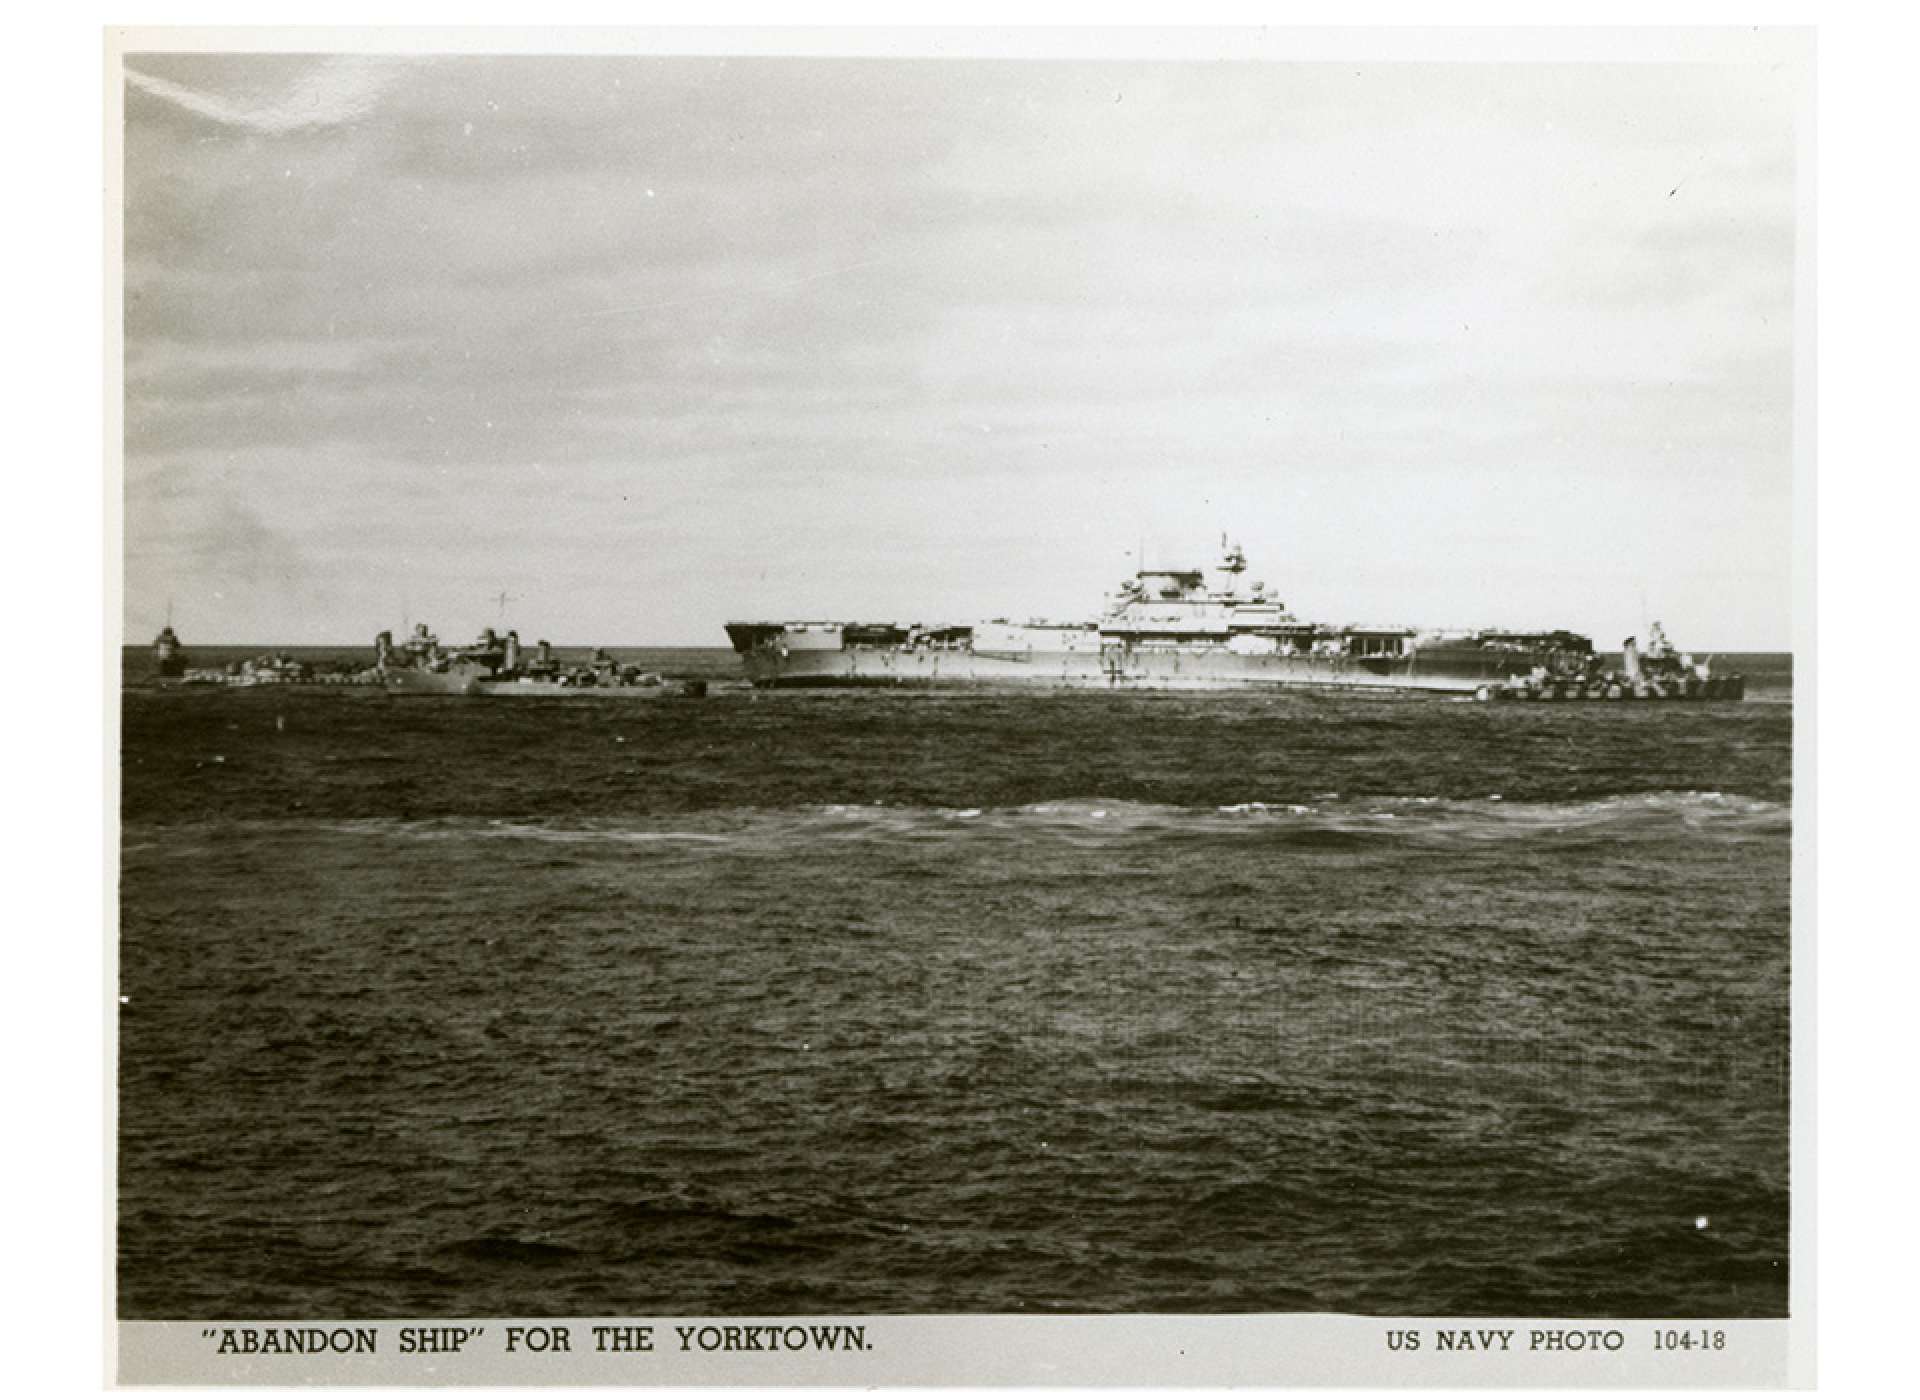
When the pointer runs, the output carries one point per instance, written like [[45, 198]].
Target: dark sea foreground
[[883, 1003]]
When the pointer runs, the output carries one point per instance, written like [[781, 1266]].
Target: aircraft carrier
[[1179, 629]]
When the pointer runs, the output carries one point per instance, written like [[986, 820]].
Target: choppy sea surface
[[822, 1002]]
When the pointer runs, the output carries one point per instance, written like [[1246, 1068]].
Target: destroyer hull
[[543, 690], [408, 682], [418, 682]]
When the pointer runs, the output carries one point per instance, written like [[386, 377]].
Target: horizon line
[[711, 646]]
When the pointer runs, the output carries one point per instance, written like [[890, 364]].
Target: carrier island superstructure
[[1178, 629]]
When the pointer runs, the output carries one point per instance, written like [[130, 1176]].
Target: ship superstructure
[[1167, 629]]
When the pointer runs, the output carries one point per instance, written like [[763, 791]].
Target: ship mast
[[1233, 563]]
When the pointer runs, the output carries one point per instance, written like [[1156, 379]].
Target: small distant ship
[[1174, 629], [496, 665], [169, 657]]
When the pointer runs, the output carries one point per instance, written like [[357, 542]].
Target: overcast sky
[[650, 344]]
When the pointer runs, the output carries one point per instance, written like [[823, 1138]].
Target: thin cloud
[[335, 91]]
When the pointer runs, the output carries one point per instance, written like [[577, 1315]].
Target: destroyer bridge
[[1171, 629]]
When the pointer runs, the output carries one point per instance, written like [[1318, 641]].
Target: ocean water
[[908, 1003]]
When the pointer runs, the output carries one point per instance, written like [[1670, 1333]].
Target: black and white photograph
[[777, 690]]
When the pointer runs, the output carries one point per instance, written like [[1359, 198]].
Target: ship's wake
[[1327, 821]]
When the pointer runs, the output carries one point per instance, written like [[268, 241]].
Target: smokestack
[[1632, 650]]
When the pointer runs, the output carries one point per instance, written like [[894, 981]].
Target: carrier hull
[[1118, 667]]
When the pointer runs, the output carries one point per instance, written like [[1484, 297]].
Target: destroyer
[[1661, 672], [1173, 629], [500, 666]]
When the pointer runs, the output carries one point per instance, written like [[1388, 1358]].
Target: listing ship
[[1173, 629], [496, 665]]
